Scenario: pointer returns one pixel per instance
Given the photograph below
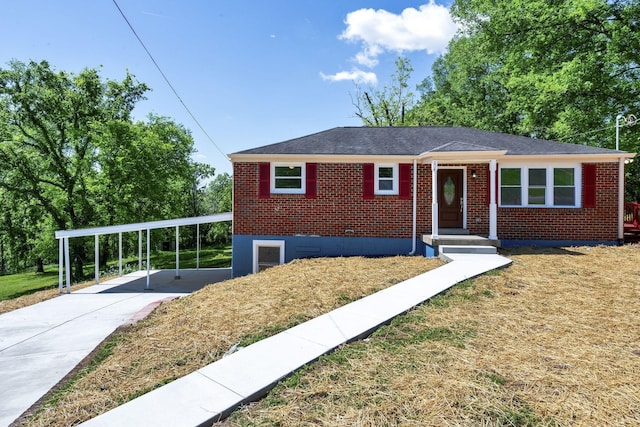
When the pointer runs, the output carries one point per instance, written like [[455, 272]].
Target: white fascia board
[[152, 225], [322, 158], [582, 158], [502, 156]]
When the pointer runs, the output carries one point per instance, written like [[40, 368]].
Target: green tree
[[70, 150], [390, 106], [218, 199], [548, 68]]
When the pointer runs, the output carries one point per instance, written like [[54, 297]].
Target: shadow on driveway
[[161, 281]]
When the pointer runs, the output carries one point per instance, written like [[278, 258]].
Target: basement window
[[267, 254]]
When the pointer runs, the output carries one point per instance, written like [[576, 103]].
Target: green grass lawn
[[15, 285]]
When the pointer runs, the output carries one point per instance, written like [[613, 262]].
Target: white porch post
[[96, 251], [60, 264], [177, 252], [67, 262], [493, 206], [434, 199], [620, 199], [120, 253]]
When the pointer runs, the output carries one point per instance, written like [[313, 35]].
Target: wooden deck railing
[[632, 216]]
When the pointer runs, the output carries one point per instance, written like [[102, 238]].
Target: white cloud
[[355, 75], [428, 28]]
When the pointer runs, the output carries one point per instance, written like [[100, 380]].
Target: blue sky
[[253, 72]]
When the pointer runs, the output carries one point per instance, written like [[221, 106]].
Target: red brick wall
[[339, 207]]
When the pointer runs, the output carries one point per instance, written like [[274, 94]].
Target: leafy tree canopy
[[71, 154]]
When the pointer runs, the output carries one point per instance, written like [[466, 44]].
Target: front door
[[450, 198]]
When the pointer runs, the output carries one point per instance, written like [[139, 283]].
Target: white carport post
[[493, 206], [434, 197], [60, 264], [67, 263], [139, 250], [148, 288], [177, 252], [120, 253], [197, 246], [97, 261]]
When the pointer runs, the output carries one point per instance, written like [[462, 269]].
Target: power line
[[175, 92], [630, 121], [586, 133]]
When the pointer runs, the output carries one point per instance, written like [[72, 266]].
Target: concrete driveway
[[42, 343]]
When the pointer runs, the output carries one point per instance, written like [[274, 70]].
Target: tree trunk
[[106, 249], [79, 253], [39, 266]]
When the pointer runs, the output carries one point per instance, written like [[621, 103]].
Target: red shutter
[[588, 186], [367, 181], [405, 181], [264, 187], [311, 177]]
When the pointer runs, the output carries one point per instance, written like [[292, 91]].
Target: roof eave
[[322, 158], [582, 157], [461, 156]]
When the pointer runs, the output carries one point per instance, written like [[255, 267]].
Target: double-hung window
[[510, 187], [386, 179], [288, 178], [537, 186], [540, 186], [564, 187]]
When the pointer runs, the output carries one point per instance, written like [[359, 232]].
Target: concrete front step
[[458, 240], [446, 250], [458, 249]]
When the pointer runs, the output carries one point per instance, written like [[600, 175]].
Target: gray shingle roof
[[418, 140]]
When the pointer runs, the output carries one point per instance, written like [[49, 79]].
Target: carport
[[63, 236]]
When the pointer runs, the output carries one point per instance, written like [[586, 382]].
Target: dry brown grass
[[552, 340], [187, 334]]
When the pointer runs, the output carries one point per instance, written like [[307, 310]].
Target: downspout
[[415, 206]]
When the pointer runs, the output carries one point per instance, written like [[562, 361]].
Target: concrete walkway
[[216, 390], [42, 343]]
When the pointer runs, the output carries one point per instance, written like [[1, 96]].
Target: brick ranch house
[[393, 190]]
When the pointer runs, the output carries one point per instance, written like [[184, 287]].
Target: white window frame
[[395, 180], [550, 185], [257, 244], [303, 179]]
